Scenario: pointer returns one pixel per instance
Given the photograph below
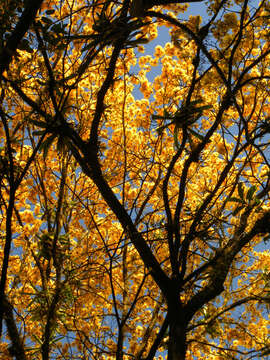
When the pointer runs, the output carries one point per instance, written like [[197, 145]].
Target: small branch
[[158, 339], [219, 269], [228, 308], [45, 348]]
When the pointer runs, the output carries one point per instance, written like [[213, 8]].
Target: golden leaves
[[102, 276]]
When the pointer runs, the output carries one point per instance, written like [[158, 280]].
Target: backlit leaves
[[136, 154]]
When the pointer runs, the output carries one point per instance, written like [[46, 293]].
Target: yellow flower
[[159, 51]]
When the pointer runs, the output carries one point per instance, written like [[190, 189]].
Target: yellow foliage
[[98, 177]]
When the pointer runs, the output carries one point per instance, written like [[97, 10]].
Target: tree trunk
[[177, 332]]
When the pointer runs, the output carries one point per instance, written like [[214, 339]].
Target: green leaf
[[134, 43], [238, 209], [46, 145], [240, 188], [234, 199], [50, 12], [39, 132], [57, 28], [56, 339], [195, 102], [161, 128], [199, 136], [161, 117], [251, 192], [41, 124], [175, 136], [46, 20], [37, 339], [64, 239], [204, 107]]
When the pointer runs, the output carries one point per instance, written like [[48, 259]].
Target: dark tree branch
[[23, 25], [90, 162], [158, 339], [170, 225], [17, 348], [228, 308], [138, 7], [13, 186], [45, 348], [220, 267]]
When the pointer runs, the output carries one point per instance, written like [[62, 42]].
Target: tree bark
[[177, 330]]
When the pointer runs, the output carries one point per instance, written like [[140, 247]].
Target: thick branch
[[137, 239], [23, 25], [17, 348], [92, 163]]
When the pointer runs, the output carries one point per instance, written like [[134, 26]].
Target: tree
[[134, 228]]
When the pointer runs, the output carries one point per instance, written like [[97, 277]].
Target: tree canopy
[[134, 183]]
